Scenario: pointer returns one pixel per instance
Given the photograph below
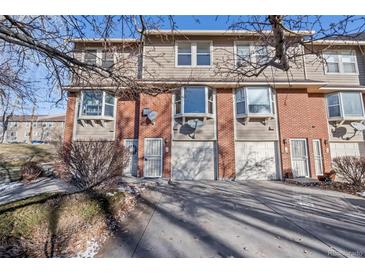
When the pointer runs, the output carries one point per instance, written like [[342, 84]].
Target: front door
[[299, 157], [318, 162], [131, 146], [153, 150]]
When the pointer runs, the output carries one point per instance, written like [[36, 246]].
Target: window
[[97, 103], [254, 101], [194, 101], [203, 54], [107, 59], [340, 62], [334, 108], [345, 105], [193, 54], [90, 56], [243, 55], [99, 57], [246, 54], [184, 54], [261, 54]]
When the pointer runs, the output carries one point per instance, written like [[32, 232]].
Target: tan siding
[[344, 131], [316, 71], [126, 65], [206, 132], [96, 131], [256, 130], [159, 63]]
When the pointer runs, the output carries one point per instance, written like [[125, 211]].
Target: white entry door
[[318, 162], [131, 146], [299, 157], [153, 152]]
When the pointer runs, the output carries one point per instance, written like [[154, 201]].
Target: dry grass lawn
[[56, 225], [18, 154]]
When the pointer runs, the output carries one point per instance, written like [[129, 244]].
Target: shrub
[[350, 169], [91, 163], [30, 171]]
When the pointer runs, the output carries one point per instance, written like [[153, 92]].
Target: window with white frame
[[345, 105], [249, 53], [254, 101], [340, 62], [99, 57], [193, 54], [107, 60], [194, 101], [203, 54], [90, 56], [97, 103]]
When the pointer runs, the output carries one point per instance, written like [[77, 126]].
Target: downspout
[[304, 65]]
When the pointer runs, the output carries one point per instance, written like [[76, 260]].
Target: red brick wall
[[302, 115], [127, 119], [225, 134], [70, 116], [162, 104]]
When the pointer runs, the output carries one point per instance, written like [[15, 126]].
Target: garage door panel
[[256, 161], [347, 149], [193, 160]]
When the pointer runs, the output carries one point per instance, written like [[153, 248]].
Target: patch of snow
[[111, 194], [362, 194], [92, 248], [9, 186]]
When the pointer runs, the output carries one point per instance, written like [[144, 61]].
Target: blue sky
[[207, 22]]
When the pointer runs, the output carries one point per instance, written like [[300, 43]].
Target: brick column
[[225, 134], [70, 117], [302, 115], [162, 104], [127, 119]]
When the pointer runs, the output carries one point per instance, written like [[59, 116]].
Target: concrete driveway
[[247, 219]]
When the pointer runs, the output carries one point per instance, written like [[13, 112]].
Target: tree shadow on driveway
[[223, 219]]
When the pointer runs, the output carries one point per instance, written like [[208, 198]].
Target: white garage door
[[257, 161], [193, 160], [347, 149]]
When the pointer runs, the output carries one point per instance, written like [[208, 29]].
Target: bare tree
[[44, 41], [286, 39]]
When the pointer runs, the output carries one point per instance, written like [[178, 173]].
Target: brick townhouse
[[213, 125]]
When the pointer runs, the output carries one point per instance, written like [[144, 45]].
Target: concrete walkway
[[248, 219], [14, 191]]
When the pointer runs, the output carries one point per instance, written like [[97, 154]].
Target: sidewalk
[[18, 190]]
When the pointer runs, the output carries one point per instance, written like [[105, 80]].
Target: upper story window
[[99, 57], [254, 101], [247, 54], [13, 124], [340, 62], [193, 54], [97, 103], [194, 101], [107, 60], [345, 105]]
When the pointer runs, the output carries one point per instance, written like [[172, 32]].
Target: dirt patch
[[73, 225]]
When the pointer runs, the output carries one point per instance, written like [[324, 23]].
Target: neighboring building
[[43, 128], [215, 126]]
